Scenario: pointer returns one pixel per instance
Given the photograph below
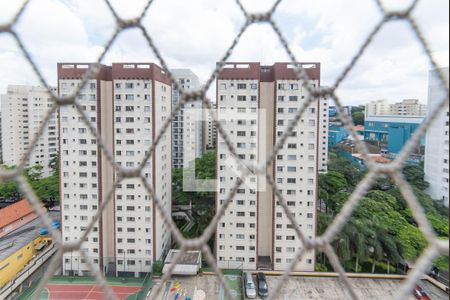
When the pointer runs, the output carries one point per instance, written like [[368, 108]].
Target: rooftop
[[396, 119], [13, 212], [189, 258]]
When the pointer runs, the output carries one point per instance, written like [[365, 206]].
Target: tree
[[358, 118], [415, 175], [352, 174], [382, 227], [358, 114], [330, 184]]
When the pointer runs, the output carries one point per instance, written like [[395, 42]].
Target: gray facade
[[187, 128]]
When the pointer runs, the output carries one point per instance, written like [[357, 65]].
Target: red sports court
[[83, 288], [88, 292]]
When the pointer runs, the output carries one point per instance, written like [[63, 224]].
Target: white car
[[249, 286]]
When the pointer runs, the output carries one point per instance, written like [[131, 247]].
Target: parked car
[[263, 290], [249, 286], [420, 294]]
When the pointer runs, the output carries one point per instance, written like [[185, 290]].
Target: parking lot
[[298, 287]]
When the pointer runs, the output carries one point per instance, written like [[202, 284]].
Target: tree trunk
[[356, 264], [373, 266], [388, 266]]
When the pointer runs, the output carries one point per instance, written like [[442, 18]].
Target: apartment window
[[293, 98], [129, 85], [281, 86], [290, 238], [129, 97], [254, 86], [241, 86], [241, 98], [223, 86]]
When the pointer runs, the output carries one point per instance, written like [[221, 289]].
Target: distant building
[[391, 132], [408, 107], [23, 111], [187, 126], [323, 134], [332, 111], [437, 142], [210, 128], [1, 148], [336, 133]]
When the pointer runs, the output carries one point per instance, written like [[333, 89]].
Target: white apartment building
[[256, 105], [187, 126], [408, 107], [437, 142], [127, 104], [323, 135], [210, 128], [1, 147], [23, 110]]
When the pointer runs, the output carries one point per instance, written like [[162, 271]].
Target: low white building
[[407, 107], [189, 263]]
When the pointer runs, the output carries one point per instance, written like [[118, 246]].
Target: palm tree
[[383, 245]]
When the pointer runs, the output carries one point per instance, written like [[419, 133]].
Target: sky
[[195, 34]]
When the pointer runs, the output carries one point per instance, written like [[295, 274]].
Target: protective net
[[435, 247]]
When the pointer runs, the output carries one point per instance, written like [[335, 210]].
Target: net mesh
[[435, 247]]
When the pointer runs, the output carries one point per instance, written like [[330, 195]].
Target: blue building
[[391, 132], [336, 133], [332, 111]]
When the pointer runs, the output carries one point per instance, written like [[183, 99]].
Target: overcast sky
[[196, 33]]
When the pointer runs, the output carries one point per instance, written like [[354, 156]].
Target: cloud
[[196, 34]]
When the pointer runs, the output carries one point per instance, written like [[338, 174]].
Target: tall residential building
[[437, 142], [323, 134], [210, 128], [127, 104], [256, 104], [408, 107], [1, 147], [187, 126], [23, 112]]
